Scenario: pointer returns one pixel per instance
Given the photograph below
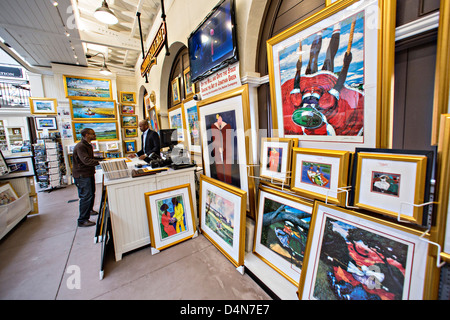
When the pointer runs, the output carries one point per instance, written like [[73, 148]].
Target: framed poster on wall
[[327, 75]]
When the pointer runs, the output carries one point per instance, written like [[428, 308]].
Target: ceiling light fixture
[[104, 69], [105, 15]]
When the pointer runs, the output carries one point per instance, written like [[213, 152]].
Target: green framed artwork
[[83, 109], [105, 131], [94, 88]]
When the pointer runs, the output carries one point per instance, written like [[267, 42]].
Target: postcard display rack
[[49, 167]]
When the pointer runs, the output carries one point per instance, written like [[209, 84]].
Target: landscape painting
[[87, 87], [93, 109], [106, 131], [220, 216]]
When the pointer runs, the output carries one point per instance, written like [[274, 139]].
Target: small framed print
[[130, 132], [129, 146], [95, 145], [99, 154], [222, 217], [48, 123], [276, 154], [353, 256], [7, 194], [113, 154], [281, 234], [43, 106], [320, 174], [176, 97], [111, 146], [176, 121], [127, 109], [391, 182], [127, 97], [171, 216], [129, 121], [189, 87], [20, 167]]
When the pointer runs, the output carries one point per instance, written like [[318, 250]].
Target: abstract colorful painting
[[386, 183], [317, 174]]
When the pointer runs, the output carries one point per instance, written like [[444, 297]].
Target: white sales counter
[[127, 207]]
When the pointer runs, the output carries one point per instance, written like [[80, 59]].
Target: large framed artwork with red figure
[[327, 76], [224, 125]]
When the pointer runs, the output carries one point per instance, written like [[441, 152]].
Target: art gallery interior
[[304, 150]]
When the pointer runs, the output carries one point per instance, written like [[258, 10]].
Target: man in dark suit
[[151, 144]]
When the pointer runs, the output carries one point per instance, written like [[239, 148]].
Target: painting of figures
[[317, 174], [171, 216], [87, 87], [93, 109], [386, 183]]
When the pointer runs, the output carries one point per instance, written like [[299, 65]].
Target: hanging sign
[[223, 80], [153, 51]]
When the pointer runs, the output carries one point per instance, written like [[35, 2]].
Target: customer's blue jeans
[[86, 193]]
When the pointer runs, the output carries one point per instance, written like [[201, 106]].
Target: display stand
[[48, 165]]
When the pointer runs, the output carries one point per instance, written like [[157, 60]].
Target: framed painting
[[222, 217], [127, 97], [20, 167], [332, 96], [84, 110], [391, 182], [224, 121], [105, 131], [95, 145], [4, 169], [147, 105], [129, 146], [176, 96], [352, 256], [282, 227], [171, 216], [7, 194], [192, 126], [113, 145], [70, 148], [113, 154], [129, 121], [93, 88], [176, 121], [99, 154], [154, 120], [275, 159], [127, 109], [48, 123], [189, 87], [320, 174], [43, 106], [130, 132]]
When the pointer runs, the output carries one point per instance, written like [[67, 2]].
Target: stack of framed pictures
[[92, 106]]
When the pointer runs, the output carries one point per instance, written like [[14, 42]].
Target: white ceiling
[[36, 30]]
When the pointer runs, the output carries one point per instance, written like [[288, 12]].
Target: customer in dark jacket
[[83, 172]]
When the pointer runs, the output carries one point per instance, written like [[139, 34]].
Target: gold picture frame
[[83, 87], [85, 109], [165, 230], [233, 107], [230, 216], [105, 130], [43, 106], [130, 146], [378, 244], [320, 174], [275, 159], [316, 128], [189, 87], [127, 97], [391, 184], [175, 88]]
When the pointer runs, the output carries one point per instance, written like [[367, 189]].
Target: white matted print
[[276, 158], [222, 217]]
